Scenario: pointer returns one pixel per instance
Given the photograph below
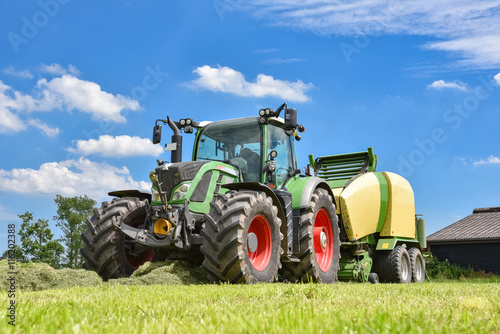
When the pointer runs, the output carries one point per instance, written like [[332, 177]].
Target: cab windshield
[[237, 142]]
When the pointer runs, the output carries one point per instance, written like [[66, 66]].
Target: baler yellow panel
[[336, 193], [400, 219], [360, 206]]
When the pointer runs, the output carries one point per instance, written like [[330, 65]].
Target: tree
[[72, 212], [37, 243], [17, 250]]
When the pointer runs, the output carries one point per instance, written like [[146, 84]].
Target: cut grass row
[[453, 307]]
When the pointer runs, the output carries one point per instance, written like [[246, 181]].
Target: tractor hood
[[171, 175]]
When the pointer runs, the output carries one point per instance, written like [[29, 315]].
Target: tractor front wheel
[[242, 238], [319, 243], [108, 251]]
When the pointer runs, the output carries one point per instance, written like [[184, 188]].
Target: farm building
[[472, 241]]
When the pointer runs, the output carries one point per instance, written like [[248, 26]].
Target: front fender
[[256, 186], [131, 193]]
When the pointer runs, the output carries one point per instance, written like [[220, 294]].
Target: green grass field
[[77, 301], [451, 307]]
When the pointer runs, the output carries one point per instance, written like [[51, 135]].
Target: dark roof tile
[[483, 224]]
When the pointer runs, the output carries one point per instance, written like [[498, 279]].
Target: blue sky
[[82, 82]]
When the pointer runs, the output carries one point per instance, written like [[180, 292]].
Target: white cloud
[[227, 80], [478, 51], [491, 160], [10, 122], [58, 69], [440, 84], [70, 178], [47, 130], [25, 74], [497, 78], [73, 70], [468, 29], [65, 92], [120, 146], [88, 97]]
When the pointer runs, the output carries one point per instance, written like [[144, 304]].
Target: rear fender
[[303, 188]]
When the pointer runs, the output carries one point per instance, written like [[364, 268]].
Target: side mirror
[[290, 119], [157, 134]]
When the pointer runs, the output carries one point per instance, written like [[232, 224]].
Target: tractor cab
[[262, 151]]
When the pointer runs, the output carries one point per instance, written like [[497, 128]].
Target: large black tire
[[242, 239], [317, 263], [417, 265], [394, 266], [108, 251]]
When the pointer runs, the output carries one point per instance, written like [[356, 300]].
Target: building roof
[[482, 224]]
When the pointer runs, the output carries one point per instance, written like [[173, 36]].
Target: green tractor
[[244, 210]]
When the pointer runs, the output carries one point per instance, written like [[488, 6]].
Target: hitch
[[142, 236]]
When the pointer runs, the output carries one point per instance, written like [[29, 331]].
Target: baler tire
[[417, 265], [394, 266], [316, 264], [238, 222], [104, 248]]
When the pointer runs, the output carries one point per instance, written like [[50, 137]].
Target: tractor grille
[[170, 176]]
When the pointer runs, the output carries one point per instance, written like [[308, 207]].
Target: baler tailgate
[[337, 170]]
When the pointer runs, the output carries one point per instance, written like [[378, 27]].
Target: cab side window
[[279, 141]]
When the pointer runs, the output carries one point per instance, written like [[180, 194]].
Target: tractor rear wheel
[[108, 251], [417, 265], [319, 243], [394, 266], [242, 238]]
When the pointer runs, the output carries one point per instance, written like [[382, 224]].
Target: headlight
[[181, 191], [155, 195]]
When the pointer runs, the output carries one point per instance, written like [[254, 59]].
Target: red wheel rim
[[135, 261], [259, 243], [323, 240]]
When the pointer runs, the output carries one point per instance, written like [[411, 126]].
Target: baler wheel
[[319, 243], [107, 251], [242, 238], [394, 266], [417, 265]]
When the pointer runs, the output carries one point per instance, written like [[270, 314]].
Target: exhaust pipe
[[176, 155]]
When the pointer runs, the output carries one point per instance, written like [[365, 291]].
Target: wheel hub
[[323, 239], [252, 242]]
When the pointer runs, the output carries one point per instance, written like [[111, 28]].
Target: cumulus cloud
[[497, 78], [69, 178], [66, 92], [120, 146], [25, 74], [491, 160], [88, 97], [440, 84], [468, 29], [10, 121], [13, 104], [227, 80]]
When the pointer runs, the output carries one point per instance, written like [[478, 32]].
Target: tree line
[[37, 243]]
